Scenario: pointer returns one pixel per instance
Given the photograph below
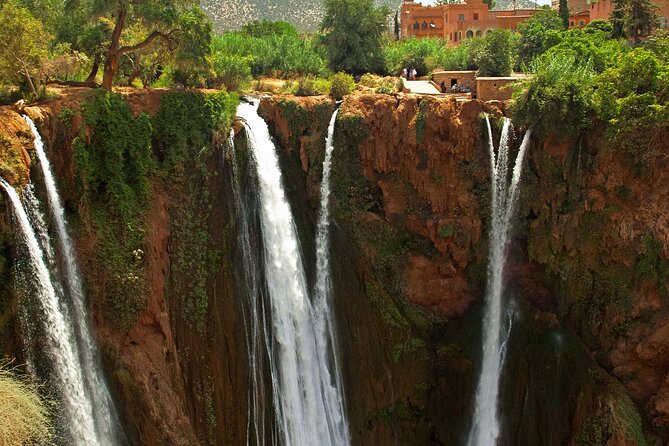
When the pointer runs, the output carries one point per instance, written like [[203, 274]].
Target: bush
[[341, 84], [539, 33], [412, 52], [493, 53], [232, 71], [558, 98], [453, 58], [279, 55], [592, 45], [311, 86], [24, 416]]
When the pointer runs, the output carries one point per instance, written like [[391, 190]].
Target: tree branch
[[153, 36]]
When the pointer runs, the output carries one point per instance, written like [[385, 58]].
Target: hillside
[[506, 5], [304, 14]]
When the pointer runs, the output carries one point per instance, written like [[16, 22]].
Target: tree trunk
[[30, 81], [111, 66], [94, 71], [111, 62]]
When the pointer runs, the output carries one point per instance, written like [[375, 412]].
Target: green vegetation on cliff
[[112, 168], [188, 128], [115, 165]]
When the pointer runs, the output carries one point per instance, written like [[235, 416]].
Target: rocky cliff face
[[588, 270], [178, 372], [410, 181]]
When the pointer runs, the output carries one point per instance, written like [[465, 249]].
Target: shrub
[[453, 58], [632, 97], [24, 416], [311, 86], [279, 55], [232, 71], [341, 84], [412, 52], [493, 53], [558, 98]]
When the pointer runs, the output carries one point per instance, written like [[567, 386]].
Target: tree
[[264, 28], [617, 19], [111, 31], [24, 45], [641, 18], [493, 55], [540, 32], [564, 13], [633, 18], [353, 35]]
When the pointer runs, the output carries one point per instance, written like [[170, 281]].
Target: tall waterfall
[[306, 405], [62, 349], [105, 417], [253, 302], [326, 339], [485, 429]]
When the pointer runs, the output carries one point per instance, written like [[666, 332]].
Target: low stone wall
[[462, 78], [494, 88]]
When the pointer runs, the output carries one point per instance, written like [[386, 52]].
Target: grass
[[25, 418]]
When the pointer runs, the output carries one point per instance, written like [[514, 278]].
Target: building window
[[476, 16], [478, 33], [416, 25], [469, 34], [432, 24], [581, 23], [461, 17], [571, 23], [664, 23]]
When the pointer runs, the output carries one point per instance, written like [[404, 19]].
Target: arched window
[[488, 31], [478, 33], [469, 34], [416, 25]]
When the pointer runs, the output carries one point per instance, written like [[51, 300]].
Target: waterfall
[[252, 303], [76, 408], [303, 392], [105, 417], [323, 316], [485, 429]]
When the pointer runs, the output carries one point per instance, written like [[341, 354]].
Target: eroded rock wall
[[411, 193]]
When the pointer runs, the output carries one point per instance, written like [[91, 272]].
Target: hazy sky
[[432, 2]]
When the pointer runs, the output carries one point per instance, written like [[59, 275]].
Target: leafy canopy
[[353, 35], [538, 33], [24, 46], [493, 54]]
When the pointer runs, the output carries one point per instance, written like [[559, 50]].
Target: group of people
[[409, 73]]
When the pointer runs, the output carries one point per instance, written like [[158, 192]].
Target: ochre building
[[457, 21]]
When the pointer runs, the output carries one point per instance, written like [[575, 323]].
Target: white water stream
[[304, 392], [62, 350], [105, 417], [486, 425]]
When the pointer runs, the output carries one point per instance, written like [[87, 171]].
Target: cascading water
[[106, 419], [326, 340], [253, 302], [76, 408], [307, 402], [485, 429]]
